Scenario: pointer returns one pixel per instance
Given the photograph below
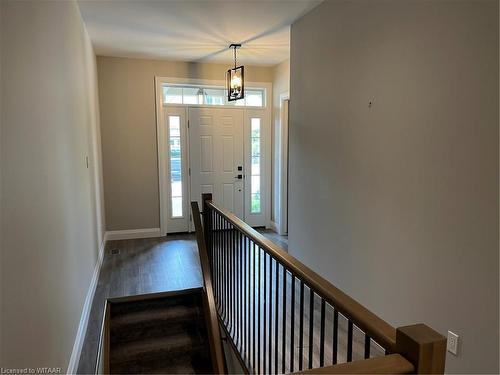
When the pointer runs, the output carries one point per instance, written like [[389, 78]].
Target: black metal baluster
[[335, 336], [240, 252], [223, 270], [367, 346], [214, 255], [264, 312], [244, 295], [254, 307], [322, 335], [292, 323], [229, 281], [349, 341], [311, 326], [301, 326], [233, 289], [226, 278], [270, 313], [219, 266], [259, 283], [214, 258], [248, 302], [226, 247], [276, 316], [283, 334]]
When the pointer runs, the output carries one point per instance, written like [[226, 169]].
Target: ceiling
[[191, 30]]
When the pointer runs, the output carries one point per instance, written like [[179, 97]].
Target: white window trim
[[164, 196]]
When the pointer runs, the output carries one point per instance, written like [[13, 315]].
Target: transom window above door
[[211, 95]]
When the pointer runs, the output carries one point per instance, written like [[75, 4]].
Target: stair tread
[[152, 347], [179, 366], [190, 300], [158, 314], [180, 369]]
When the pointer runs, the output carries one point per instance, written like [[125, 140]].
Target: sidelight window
[[255, 141], [174, 124]]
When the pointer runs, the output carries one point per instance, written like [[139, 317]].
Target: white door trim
[[162, 150], [283, 166]]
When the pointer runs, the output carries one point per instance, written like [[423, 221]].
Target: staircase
[[159, 335]]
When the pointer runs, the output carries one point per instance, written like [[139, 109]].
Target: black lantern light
[[235, 79]]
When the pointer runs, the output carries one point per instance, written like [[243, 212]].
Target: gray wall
[[397, 204], [51, 219], [128, 124]]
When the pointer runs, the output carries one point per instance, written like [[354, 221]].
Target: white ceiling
[[192, 30]]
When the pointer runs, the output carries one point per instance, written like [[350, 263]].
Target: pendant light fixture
[[235, 79]]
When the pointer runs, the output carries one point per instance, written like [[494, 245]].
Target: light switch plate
[[452, 343]]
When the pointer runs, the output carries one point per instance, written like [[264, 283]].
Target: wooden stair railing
[[211, 316], [260, 296]]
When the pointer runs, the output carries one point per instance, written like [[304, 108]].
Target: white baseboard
[[133, 233], [84, 319], [273, 226]]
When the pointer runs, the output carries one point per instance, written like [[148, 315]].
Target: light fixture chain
[[235, 57]]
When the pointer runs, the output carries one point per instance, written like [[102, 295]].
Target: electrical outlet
[[452, 343]]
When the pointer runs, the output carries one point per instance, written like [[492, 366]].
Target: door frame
[[283, 153], [162, 136]]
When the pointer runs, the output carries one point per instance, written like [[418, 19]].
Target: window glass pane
[[214, 96], [255, 206], [255, 165], [172, 95], [175, 126], [190, 95], [254, 98], [175, 151], [255, 123], [176, 206], [255, 147], [255, 184]]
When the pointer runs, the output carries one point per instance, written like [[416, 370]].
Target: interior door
[[216, 156]]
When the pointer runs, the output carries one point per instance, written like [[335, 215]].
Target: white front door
[[216, 153]]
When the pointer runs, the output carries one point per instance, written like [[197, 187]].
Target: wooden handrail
[[216, 351], [381, 331], [416, 348], [389, 364]]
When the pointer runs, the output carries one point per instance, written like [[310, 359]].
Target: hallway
[[367, 130]]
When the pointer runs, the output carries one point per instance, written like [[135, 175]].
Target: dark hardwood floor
[[275, 237], [142, 266]]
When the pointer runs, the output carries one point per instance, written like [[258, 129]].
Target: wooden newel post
[[207, 220], [423, 347]]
